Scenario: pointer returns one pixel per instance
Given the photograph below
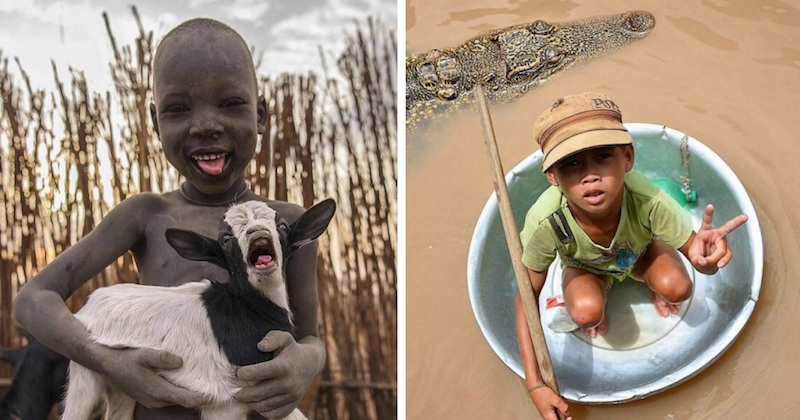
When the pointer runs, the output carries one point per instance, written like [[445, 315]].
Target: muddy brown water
[[724, 72]]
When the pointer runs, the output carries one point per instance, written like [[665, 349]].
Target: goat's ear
[[196, 247], [311, 224]]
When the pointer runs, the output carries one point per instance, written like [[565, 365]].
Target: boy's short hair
[[576, 123], [197, 26]]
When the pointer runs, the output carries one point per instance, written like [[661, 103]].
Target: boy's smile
[[207, 112], [592, 180], [211, 163]]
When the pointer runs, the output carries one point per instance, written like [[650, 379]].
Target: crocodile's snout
[[640, 22]]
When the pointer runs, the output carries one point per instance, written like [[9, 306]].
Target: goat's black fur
[[240, 322], [240, 315], [39, 378]]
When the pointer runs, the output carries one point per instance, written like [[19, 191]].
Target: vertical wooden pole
[[514, 244]]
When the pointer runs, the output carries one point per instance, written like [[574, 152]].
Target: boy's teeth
[[210, 156]]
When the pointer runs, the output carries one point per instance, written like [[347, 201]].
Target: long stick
[[515, 246]]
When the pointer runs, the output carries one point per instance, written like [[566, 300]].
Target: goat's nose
[[254, 229]]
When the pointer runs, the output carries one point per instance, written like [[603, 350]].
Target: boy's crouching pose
[[208, 116], [605, 222]]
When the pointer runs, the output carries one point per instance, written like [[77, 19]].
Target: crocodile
[[511, 61]]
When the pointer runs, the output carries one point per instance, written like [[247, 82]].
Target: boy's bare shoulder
[[143, 202], [139, 205]]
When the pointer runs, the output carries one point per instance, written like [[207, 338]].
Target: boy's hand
[[135, 372], [547, 402], [282, 381], [709, 250]]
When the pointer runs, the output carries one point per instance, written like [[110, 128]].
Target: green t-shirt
[[647, 213]]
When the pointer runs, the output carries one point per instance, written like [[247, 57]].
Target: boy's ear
[[630, 157], [154, 119], [311, 224], [551, 178], [262, 114], [196, 247]]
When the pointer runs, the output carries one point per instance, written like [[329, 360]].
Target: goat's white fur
[[173, 319]]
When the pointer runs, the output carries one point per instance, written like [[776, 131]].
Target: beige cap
[[576, 123]]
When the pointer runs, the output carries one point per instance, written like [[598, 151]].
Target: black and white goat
[[213, 327]]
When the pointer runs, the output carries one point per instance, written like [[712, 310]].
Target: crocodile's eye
[[541, 27], [425, 68], [552, 56]]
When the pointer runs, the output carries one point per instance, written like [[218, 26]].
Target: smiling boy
[[208, 116], [606, 222]]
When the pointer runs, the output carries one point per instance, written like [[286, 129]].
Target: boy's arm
[[40, 304], [40, 308], [545, 400], [284, 379], [306, 305]]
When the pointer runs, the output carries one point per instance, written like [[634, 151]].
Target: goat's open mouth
[[262, 254]]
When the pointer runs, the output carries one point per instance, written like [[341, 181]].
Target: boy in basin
[[606, 222]]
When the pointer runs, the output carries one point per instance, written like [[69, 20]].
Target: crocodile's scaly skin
[[511, 61]]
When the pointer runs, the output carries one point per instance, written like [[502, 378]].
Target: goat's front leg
[[83, 394], [119, 406]]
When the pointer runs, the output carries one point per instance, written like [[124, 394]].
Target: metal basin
[[625, 367]]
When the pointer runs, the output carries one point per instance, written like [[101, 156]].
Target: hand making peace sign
[[708, 249]]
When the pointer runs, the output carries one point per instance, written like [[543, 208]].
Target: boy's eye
[[568, 164], [232, 102], [174, 108]]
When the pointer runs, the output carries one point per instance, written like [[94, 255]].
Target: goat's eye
[[226, 238]]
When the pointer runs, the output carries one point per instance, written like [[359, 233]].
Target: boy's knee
[[586, 312], [680, 292], [674, 289]]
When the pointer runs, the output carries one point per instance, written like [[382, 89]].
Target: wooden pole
[[515, 246]]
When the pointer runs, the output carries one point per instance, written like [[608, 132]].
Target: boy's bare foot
[[600, 329], [665, 308]]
